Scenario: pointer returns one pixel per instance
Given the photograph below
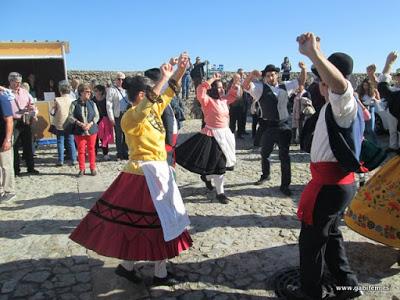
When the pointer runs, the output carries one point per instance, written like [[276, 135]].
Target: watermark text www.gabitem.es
[[365, 288]]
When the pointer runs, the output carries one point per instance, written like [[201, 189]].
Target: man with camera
[[23, 113]]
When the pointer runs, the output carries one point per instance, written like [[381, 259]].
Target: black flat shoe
[[262, 180], [222, 198], [207, 182], [129, 275], [33, 172], [170, 280], [286, 191], [230, 168]]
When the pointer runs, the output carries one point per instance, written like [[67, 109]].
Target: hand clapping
[[309, 44], [166, 70]]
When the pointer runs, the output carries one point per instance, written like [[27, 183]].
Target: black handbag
[[69, 126], [52, 129]]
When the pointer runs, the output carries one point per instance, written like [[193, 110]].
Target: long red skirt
[[124, 224]]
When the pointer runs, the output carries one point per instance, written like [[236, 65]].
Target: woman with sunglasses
[[84, 114]]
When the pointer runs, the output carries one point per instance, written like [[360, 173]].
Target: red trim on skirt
[[322, 173], [124, 224]]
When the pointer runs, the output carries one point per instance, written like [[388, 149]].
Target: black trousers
[[23, 136], [282, 137], [322, 242], [122, 148], [258, 132], [243, 118], [285, 77], [236, 117]]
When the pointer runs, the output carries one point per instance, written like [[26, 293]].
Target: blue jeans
[[70, 147], [370, 127], [185, 86]]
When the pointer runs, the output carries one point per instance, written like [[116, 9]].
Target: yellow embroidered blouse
[[144, 132]]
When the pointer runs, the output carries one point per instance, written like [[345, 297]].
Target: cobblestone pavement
[[237, 247]]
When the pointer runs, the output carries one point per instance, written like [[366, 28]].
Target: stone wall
[[192, 108]]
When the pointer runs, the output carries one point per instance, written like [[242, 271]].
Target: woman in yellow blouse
[[141, 216]]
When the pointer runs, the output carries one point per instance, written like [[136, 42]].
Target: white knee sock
[[218, 183], [128, 264], [160, 268]]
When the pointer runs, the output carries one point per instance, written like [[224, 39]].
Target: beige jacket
[[61, 110]]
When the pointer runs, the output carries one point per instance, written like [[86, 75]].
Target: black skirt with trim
[[202, 155]]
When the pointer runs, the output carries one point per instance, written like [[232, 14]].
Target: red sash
[[322, 173]]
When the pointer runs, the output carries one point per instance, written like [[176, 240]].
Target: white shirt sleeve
[[110, 104], [385, 78], [255, 90], [344, 106], [291, 86]]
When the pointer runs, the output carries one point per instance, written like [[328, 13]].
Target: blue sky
[[136, 35]]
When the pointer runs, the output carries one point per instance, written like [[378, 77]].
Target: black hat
[[270, 68], [154, 74], [342, 61]]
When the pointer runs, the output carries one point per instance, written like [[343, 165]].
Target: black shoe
[[130, 275], [262, 180], [230, 168], [170, 280], [93, 172], [59, 164], [222, 198], [7, 197], [33, 172], [285, 190], [81, 173], [344, 295], [207, 182]]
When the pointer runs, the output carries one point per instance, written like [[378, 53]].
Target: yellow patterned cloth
[[375, 210], [144, 132]]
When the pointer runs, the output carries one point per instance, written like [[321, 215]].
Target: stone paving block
[[68, 297], [25, 290], [8, 286], [85, 296], [37, 277], [83, 277], [82, 288]]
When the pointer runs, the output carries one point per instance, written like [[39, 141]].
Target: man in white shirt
[[117, 103], [332, 187], [273, 99]]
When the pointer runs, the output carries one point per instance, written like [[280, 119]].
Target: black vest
[[78, 114], [269, 106], [344, 142]]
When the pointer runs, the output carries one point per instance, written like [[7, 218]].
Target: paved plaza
[[237, 249]]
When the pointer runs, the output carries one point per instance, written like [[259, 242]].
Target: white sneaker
[[106, 157]]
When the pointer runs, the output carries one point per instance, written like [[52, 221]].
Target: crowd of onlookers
[[86, 117]]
